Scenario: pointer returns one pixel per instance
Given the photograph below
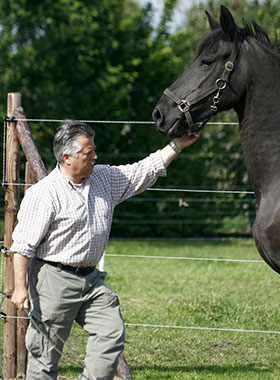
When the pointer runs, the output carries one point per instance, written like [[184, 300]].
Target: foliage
[[85, 59]]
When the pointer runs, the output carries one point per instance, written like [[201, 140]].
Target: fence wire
[[129, 324], [37, 120]]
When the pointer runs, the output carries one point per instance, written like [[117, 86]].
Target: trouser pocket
[[35, 339]]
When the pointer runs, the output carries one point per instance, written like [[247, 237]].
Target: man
[[63, 227]]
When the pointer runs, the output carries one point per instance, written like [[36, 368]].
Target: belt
[[78, 270]]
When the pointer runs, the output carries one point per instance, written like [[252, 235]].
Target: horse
[[236, 68]]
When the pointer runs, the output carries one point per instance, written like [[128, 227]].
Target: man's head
[[65, 140], [74, 149]]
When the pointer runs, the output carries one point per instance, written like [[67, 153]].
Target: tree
[[105, 59]]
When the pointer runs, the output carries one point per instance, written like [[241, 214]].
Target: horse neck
[[259, 117]]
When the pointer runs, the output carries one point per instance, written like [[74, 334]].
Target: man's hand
[[188, 139], [20, 298], [168, 153]]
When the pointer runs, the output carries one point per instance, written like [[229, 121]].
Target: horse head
[[209, 85]]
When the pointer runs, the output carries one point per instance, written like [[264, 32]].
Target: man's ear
[[66, 158]]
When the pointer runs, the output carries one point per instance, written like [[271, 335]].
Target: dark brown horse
[[236, 67]]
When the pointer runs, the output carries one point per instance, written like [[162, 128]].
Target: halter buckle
[[184, 106], [229, 66]]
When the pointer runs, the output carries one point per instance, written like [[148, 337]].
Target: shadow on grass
[[250, 369], [204, 369]]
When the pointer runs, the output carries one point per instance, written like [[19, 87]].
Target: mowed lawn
[[192, 293]]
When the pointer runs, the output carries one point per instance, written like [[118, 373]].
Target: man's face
[[83, 165]]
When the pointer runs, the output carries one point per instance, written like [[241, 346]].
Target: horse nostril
[[158, 117]]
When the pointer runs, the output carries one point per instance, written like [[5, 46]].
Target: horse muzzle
[[173, 126], [158, 119]]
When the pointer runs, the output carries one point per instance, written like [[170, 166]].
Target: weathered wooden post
[[11, 208], [28, 145]]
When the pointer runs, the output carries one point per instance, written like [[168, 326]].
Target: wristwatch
[[175, 147]]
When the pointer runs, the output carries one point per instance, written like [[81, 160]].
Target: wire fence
[[157, 218], [181, 203], [114, 122], [183, 258], [170, 326]]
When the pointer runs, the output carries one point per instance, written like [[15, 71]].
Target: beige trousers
[[60, 297]]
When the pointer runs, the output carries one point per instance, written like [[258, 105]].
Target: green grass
[[192, 293]]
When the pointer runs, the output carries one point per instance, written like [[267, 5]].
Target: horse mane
[[250, 29]]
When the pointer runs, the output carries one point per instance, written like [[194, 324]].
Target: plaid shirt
[[59, 223]]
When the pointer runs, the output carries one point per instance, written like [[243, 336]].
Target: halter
[[221, 83]]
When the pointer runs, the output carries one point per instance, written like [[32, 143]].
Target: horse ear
[[214, 24], [227, 22]]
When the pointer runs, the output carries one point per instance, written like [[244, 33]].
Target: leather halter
[[221, 83]]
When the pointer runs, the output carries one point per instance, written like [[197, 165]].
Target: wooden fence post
[[28, 145], [11, 208]]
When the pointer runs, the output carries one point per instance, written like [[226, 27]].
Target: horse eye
[[207, 62]]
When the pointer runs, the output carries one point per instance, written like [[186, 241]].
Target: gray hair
[[65, 140]]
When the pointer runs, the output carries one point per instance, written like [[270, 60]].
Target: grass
[[192, 293]]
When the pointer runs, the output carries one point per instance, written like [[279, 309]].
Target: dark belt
[[69, 268]]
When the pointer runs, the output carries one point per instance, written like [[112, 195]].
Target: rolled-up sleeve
[[34, 218], [128, 180]]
